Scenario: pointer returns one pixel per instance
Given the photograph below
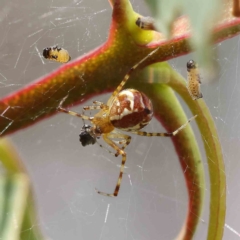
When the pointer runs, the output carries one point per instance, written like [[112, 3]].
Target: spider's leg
[[95, 107], [120, 86], [61, 109], [124, 142], [98, 105], [124, 158], [100, 145], [171, 134], [126, 139]]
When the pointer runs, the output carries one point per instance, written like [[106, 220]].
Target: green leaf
[[14, 190], [17, 213]]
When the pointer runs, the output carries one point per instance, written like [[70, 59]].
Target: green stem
[[212, 147], [168, 110]]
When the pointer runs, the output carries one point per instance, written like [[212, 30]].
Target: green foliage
[[203, 16], [17, 213]]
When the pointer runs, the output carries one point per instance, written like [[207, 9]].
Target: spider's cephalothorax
[[128, 110], [56, 53], [86, 136]]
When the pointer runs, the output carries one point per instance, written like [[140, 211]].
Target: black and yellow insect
[[193, 80], [146, 23], [57, 54]]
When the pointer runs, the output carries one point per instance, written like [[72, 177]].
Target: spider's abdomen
[[130, 110]]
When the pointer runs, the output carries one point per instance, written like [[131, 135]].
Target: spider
[[57, 54], [193, 80], [127, 110]]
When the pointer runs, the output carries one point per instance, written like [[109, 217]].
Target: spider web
[[152, 203]]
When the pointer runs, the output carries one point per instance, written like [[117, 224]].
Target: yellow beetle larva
[[146, 23], [193, 80], [56, 53]]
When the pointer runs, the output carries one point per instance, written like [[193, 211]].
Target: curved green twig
[[169, 112], [214, 157], [212, 147]]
